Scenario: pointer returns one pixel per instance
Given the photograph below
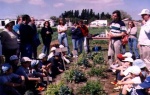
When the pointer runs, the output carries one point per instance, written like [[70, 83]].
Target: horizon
[[44, 9]]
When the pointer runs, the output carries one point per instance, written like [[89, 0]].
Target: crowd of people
[[131, 68], [24, 69]]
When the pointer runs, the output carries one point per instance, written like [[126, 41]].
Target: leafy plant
[[96, 71], [98, 58], [92, 88], [64, 90], [74, 75]]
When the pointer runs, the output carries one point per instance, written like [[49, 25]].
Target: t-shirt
[[132, 32], [61, 28], [23, 72], [127, 71], [136, 81], [117, 27], [144, 36]]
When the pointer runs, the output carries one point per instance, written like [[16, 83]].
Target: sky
[[44, 9]]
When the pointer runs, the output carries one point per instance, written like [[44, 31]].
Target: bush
[[92, 88], [98, 58]]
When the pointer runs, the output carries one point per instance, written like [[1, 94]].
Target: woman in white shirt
[[62, 36]]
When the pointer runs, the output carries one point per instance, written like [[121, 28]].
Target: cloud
[[37, 2], [10, 1], [57, 5]]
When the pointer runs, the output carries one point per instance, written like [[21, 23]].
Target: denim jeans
[[132, 43], [62, 38], [75, 44], [80, 44], [26, 50], [86, 45], [46, 46], [123, 49]]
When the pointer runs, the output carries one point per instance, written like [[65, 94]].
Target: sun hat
[[53, 48], [145, 11], [6, 67], [42, 55], [146, 83], [13, 57], [129, 59], [120, 57], [135, 70], [127, 54], [61, 46], [7, 21], [34, 63], [26, 59], [140, 63]]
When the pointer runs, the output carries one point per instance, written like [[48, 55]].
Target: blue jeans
[[26, 50], [75, 44], [80, 44], [62, 38], [132, 43], [46, 46], [123, 49]]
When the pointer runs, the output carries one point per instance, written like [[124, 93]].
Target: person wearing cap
[[132, 41], [14, 62], [144, 36], [132, 82], [52, 53], [117, 30], [141, 64], [10, 83], [9, 41]]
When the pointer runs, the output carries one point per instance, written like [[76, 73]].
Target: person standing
[[144, 36], [132, 42], [62, 36], [46, 34], [36, 41], [9, 41], [85, 33], [26, 37], [117, 30]]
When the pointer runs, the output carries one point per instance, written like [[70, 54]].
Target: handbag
[[125, 39]]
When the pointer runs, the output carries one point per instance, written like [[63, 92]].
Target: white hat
[[145, 11], [140, 63], [7, 21], [34, 63], [42, 55], [13, 57], [25, 59], [128, 59], [135, 70], [127, 54], [61, 46], [53, 48]]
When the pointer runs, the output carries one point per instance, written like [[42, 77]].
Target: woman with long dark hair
[[46, 34]]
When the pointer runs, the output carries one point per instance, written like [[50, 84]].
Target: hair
[[81, 21], [48, 24], [118, 14], [25, 17], [132, 23], [18, 18], [62, 21]]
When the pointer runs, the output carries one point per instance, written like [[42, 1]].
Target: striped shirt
[[117, 27]]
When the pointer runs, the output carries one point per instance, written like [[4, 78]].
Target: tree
[[125, 15], [53, 17]]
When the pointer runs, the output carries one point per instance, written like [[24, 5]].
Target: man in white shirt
[[144, 36]]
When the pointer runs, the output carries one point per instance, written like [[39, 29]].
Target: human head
[[34, 63], [135, 70], [26, 62], [32, 20], [128, 61], [26, 19], [6, 68], [19, 19], [61, 22], [46, 24], [42, 57], [127, 54], [9, 25], [14, 59], [120, 57], [145, 14], [80, 22], [116, 15], [131, 24], [140, 63]]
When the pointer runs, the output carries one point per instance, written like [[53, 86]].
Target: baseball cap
[[53, 48], [34, 63], [42, 55], [61, 46], [146, 83], [144, 11], [140, 63], [135, 70], [13, 57], [25, 59], [6, 67], [7, 21], [129, 59], [120, 57], [127, 54]]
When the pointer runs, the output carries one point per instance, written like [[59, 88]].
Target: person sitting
[[10, 83], [14, 60]]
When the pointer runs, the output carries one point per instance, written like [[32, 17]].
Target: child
[[14, 62], [10, 81]]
